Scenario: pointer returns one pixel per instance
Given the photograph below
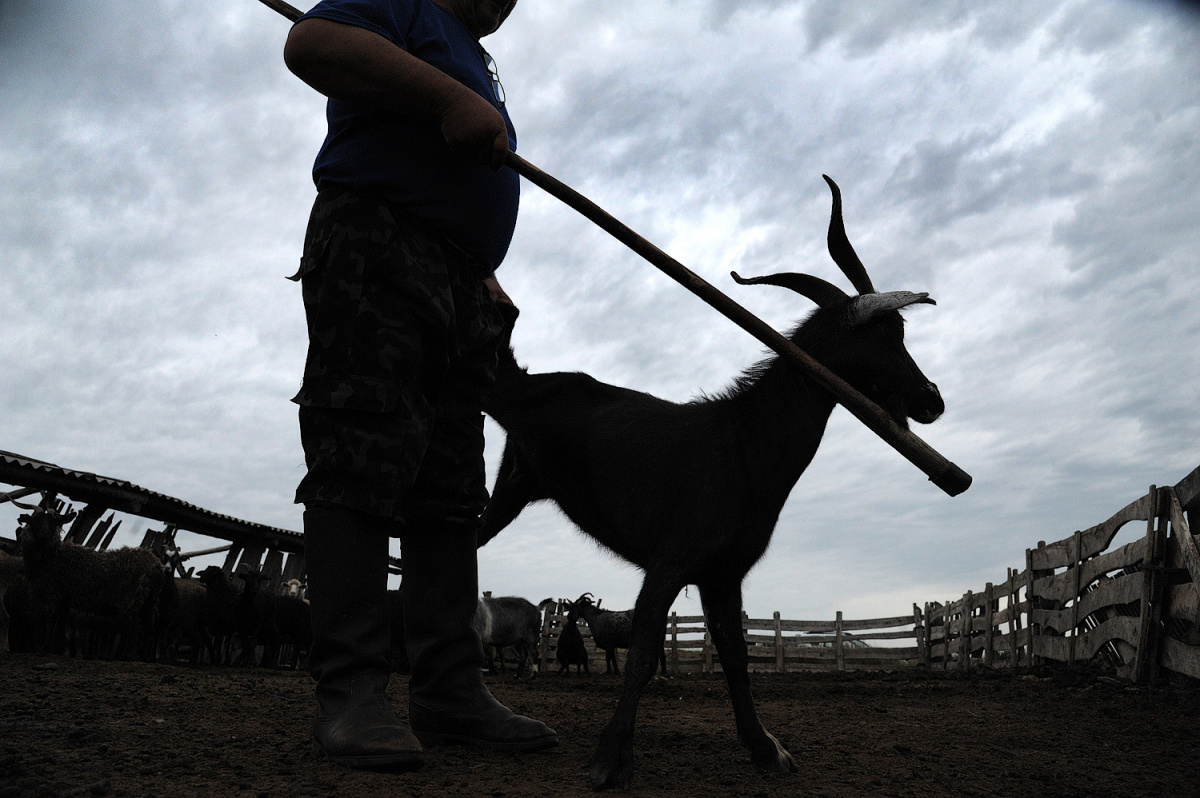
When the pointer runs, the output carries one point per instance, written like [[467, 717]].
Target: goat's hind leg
[[612, 764], [723, 608]]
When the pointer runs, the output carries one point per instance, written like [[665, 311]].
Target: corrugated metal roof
[[118, 494]]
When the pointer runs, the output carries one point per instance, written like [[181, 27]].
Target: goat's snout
[[931, 406]]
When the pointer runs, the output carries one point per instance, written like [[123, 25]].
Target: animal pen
[[1135, 607]]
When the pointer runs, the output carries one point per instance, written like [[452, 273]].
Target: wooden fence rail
[[774, 645]]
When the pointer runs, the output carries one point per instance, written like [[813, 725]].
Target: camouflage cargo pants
[[402, 354]]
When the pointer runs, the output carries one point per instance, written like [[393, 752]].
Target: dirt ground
[[75, 727]]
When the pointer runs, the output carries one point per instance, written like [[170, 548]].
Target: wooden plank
[[919, 633], [1115, 560], [1185, 544], [839, 643], [674, 642], [1092, 541], [989, 632], [1184, 602], [1097, 538], [1048, 647], [947, 613], [1180, 658], [108, 537], [778, 644], [1188, 491], [1122, 590], [1118, 627], [1146, 657], [1012, 616], [84, 522]]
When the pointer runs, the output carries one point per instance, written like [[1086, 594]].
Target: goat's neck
[[782, 413]]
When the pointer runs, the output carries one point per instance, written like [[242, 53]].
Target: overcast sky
[[1033, 165]]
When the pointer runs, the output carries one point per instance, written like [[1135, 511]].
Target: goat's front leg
[[723, 608], [612, 764], [516, 487]]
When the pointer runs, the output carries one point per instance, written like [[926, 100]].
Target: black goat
[[570, 649], [691, 492]]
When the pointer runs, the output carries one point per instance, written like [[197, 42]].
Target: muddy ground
[[74, 727]]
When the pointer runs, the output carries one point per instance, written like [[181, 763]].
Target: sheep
[[691, 492], [11, 569], [570, 649], [295, 588], [23, 635], [121, 586], [185, 626], [610, 630], [293, 623], [219, 619], [510, 621], [254, 615]]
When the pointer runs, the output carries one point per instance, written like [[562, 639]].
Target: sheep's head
[[212, 575], [864, 333], [40, 533], [42, 524]]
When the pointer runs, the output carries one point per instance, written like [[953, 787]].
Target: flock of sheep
[[62, 598]]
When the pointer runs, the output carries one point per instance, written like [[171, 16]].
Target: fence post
[[1014, 616], [674, 642], [1147, 651], [988, 658], [919, 634], [708, 648], [946, 635], [964, 643], [1076, 589], [837, 642], [1034, 628], [547, 628], [779, 667]]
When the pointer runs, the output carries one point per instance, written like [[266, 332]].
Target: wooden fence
[[774, 645], [1136, 607]]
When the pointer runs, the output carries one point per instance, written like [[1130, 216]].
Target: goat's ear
[[818, 290], [868, 306]]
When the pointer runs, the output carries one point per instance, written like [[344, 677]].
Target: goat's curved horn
[[839, 245], [866, 307], [816, 289]]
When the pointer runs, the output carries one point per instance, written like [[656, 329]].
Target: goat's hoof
[[609, 770], [770, 755]]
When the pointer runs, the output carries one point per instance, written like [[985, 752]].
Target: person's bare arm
[[356, 65]]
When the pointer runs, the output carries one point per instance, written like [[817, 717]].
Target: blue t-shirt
[[408, 161]]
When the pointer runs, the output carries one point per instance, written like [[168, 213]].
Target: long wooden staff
[[943, 473]]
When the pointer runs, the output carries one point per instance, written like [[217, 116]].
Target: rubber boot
[[346, 555], [448, 701]]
